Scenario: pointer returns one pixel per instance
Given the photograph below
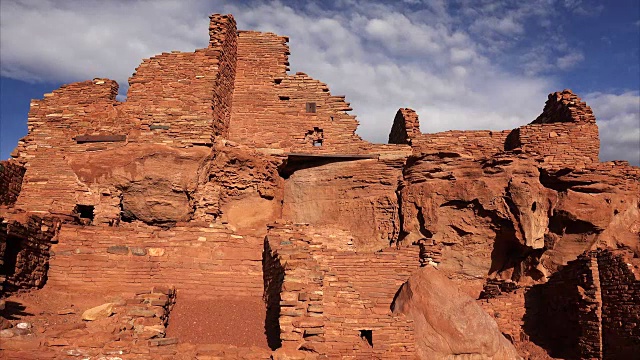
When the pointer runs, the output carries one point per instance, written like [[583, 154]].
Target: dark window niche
[[84, 213], [284, 98], [367, 335], [311, 107], [10, 258]]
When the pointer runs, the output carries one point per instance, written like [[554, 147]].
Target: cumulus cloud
[[619, 122], [445, 59]]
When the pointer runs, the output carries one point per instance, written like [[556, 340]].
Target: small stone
[[118, 250], [138, 251], [23, 325], [156, 251], [163, 341], [98, 312], [141, 312], [57, 342], [66, 311]]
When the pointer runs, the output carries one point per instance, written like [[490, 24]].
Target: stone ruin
[[227, 209]]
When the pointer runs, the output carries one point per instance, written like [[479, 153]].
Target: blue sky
[[462, 64]]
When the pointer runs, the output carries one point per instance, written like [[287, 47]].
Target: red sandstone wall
[[171, 97], [205, 262], [564, 134], [620, 307], [565, 315], [507, 309], [480, 143], [405, 127], [329, 296], [24, 249], [223, 36], [83, 108], [11, 175], [50, 184], [560, 144], [185, 98], [270, 107]]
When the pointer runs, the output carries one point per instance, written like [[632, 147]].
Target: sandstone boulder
[[99, 312], [448, 323]]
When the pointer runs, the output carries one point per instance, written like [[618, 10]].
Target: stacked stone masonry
[[327, 301], [223, 176], [620, 292], [25, 249], [405, 127], [11, 175], [204, 262]]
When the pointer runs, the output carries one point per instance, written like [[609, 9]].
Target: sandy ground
[[233, 321]]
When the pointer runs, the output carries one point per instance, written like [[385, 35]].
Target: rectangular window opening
[[367, 336], [284, 98], [85, 213], [311, 107], [317, 143]]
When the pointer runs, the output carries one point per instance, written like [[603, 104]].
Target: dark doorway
[[10, 258]]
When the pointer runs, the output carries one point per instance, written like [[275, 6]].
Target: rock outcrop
[[235, 182], [448, 323]]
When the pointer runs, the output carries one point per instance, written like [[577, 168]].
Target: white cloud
[[619, 123], [379, 56], [569, 60]]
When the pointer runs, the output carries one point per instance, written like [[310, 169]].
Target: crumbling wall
[[273, 274], [406, 127], [77, 109], [338, 303], [506, 304], [11, 175], [184, 98], [588, 309], [479, 143], [24, 248], [564, 315], [204, 261], [50, 185], [293, 112], [565, 133], [223, 37], [620, 307]]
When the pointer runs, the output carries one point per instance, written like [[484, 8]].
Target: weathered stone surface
[[448, 323], [99, 312], [229, 178]]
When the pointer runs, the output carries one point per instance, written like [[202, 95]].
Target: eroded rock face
[[448, 323], [151, 183], [357, 196], [508, 218], [161, 185], [240, 186]]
